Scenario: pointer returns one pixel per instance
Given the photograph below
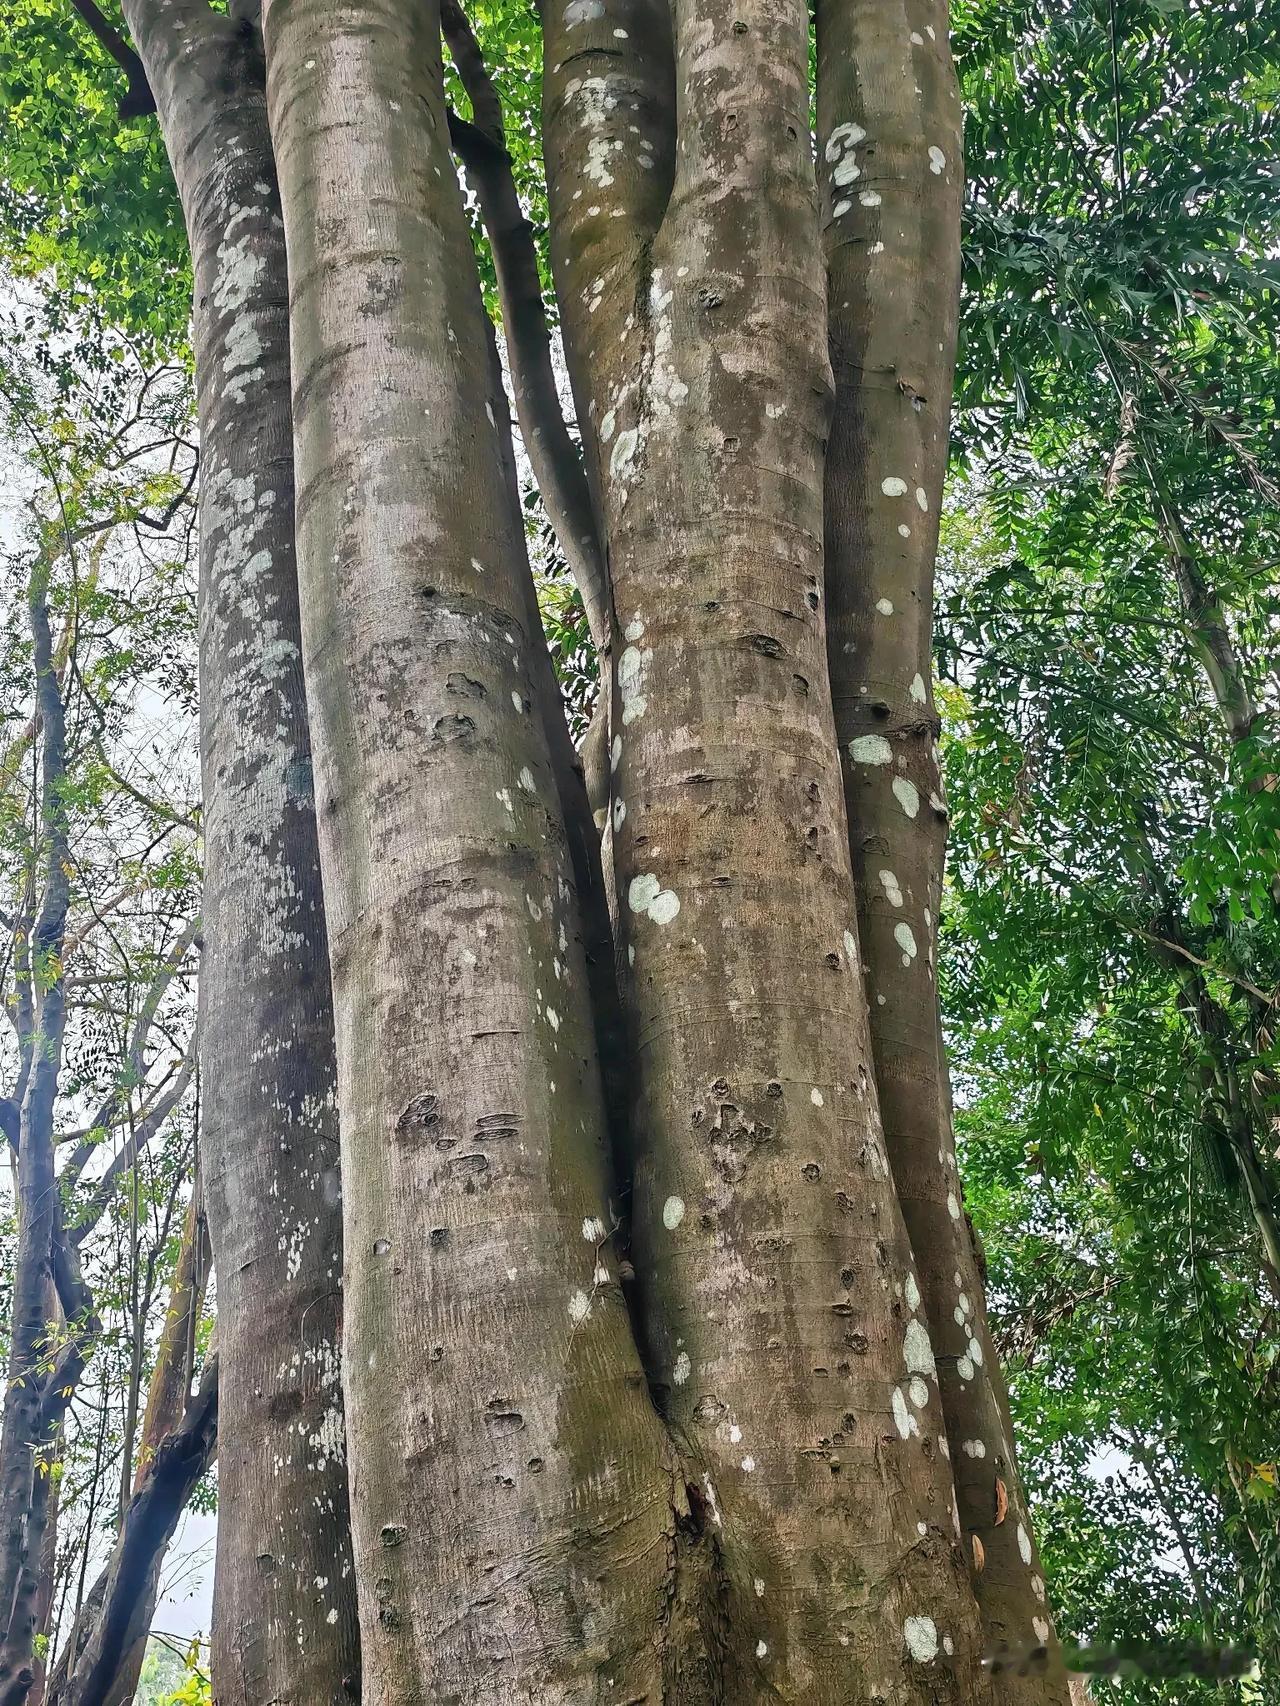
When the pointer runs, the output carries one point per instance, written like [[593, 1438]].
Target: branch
[[96, 1203], [132, 1572], [132, 1073], [557, 466], [138, 100]]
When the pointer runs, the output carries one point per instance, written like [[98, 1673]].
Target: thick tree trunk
[[889, 151], [780, 1304], [285, 1628], [511, 1496]]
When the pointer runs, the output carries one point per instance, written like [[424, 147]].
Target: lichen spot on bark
[[917, 689], [816, 1097], [912, 1292], [884, 606], [917, 1350], [893, 487], [870, 749], [904, 936], [646, 895], [903, 1420], [579, 1307], [1024, 1544], [682, 1369], [907, 795], [921, 1637], [672, 1212]]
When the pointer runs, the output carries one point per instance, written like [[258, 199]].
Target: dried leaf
[[1002, 1501]]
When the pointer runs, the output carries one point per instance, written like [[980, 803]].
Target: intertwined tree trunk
[[647, 1395], [285, 1625]]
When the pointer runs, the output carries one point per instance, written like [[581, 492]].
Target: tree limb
[[557, 466], [138, 100]]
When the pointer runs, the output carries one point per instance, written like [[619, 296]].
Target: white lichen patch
[[672, 1212], [647, 895], [907, 795], [1041, 1629], [884, 606], [870, 749], [919, 1391], [850, 948], [937, 160], [974, 1448], [905, 937], [903, 1420], [593, 1230], [870, 198], [762, 1647], [893, 487], [917, 689], [953, 1207], [816, 1097], [911, 1291], [964, 1368], [1024, 1544], [633, 667], [922, 498], [682, 1369], [579, 1306], [525, 779], [892, 888], [921, 1637], [917, 1352]]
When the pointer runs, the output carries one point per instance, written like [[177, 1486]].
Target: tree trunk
[[889, 152], [511, 1498], [30, 1418], [284, 1615], [776, 1276]]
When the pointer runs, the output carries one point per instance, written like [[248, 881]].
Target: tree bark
[[777, 1280], [889, 152], [511, 1490], [285, 1628]]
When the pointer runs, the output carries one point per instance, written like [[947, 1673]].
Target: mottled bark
[[889, 151], [285, 1627], [510, 1492], [779, 1303]]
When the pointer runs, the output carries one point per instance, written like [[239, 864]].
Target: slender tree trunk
[[776, 1273], [511, 1494], [889, 151], [30, 1419], [171, 1375], [284, 1617]]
